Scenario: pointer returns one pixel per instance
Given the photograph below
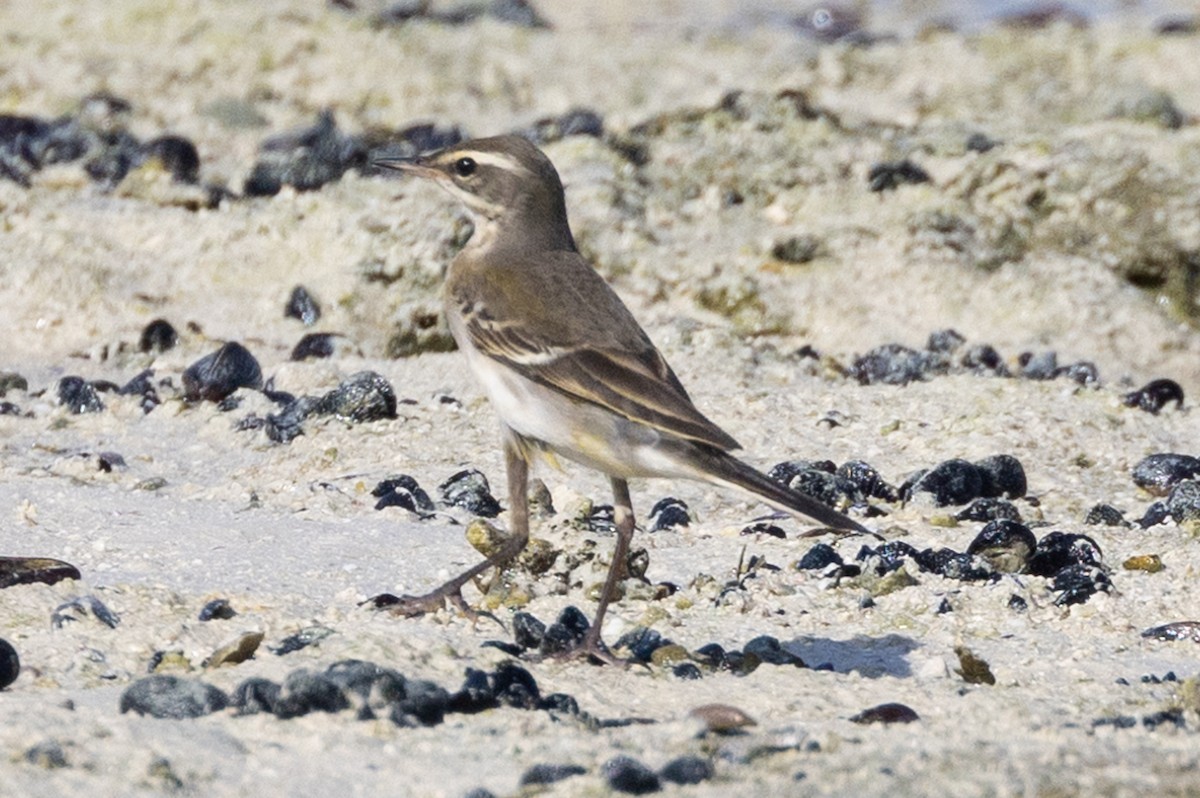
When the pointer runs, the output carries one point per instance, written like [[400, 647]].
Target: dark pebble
[[1003, 476], [256, 695], [1183, 502], [402, 491], [989, 510], [888, 175], [305, 159], [1173, 718], [480, 792], [514, 686], [1178, 25], [626, 774], [1043, 366], [1017, 603], [302, 306], [215, 376], [768, 649], [984, 359], [47, 754], [560, 703], [1083, 372], [687, 770], [576, 122], [549, 774], [371, 685], [362, 397], [158, 336], [819, 557], [668, 513], [306, 637], [469, 489], [315, 345], [953, 565], [81, 607], [710, 655], [950, 482], [1105, 515], [764, 528], [475, 695], [528, 631], [886, 714], [34, 570], [1006, 545], [641, 642], [1059, 550], [1078, 583], [1179, 630], [890, 364], [1155, 395], [424, 704], [10, 664], [78, 395], [817, 480], [890, 555], [686, 671], [172, 697], [1158, 473], [1155, 514], [288, 424], [796, 249], [306, 691], [980, 142], [867, 480], [177, 155], [217, 610]]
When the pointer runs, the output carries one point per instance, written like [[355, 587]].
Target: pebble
[[819, 557], [641, 642], [1006, 545], [989, 510], [308, 636], [1150, 563], [302, 306], [305, 159], [424, 704], [218, 609], [164, 696], [316, 346], [158, 336], [890, 364], [215, 376], [1158, 473], [575, 122], [47, 754], [1059, 550], [628, 775], [176, 154], [549, 774], [889, 175], [973, 669], [34, 570], [238, 650], [687, 770], [403, 491], [305, 691], [950, 482], [1003, 476], [886, 714], [868, 480], [360, 398], [1183, 502], [1105, 515], [566, 633], [768, 649], [469, 489], [528, 631], [78, 395], [256, 695], [721, 718], [81, 607], [669, 513], [764, 528], [10, 664], [1078, 583]]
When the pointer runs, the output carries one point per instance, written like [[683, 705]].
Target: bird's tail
[[725, 469]]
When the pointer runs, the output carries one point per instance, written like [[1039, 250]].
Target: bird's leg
[[517, 468], [592, 645]]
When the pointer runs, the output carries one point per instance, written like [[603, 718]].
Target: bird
[[565, 365]]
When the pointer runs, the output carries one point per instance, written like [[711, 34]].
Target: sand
[[1028, 247]]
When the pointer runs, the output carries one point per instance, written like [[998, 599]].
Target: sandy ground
[[1027, 247]]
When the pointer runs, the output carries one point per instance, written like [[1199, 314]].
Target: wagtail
[[566, 366]]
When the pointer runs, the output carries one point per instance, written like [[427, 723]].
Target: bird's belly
[[583, 432]]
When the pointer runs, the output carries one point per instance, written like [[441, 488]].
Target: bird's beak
[[413, 166]]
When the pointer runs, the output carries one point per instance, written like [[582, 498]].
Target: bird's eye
[[464, 167]]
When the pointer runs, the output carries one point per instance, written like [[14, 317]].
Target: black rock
[[953, 565], [1078, 583], [815, 481], [425, 704], [711, 655], [10, 664], [687, 770], [641, 642], [1105, 515], [1183, 502], [686, 671], [177, 155], [989, 510], [764, 528], [549, 774], [950, 482], [626, 774], [315, 345], [945, 341], [1006, 545], [867, 480], [371, 687], [819, 557], [1042, 366], [360, 398], [528, 631], [1084, 373], [890, 555], [984, 359], [306, 691], [769, 650], [514, 686], [576, 122], [560, 703], [302, 306], [668, 513], [980, 142], [158, 336], [217, 610], [256, 695], [1158, 473], [172, 697], [469, 489], [1155, 395], [306, 159], [890, 364], [287, 425], [215, 376], [308, 636], [79, 396], [888, 175], [402, 491], [1017, 603], [886, 714], [475, 695], [1059, 550], [1003, 475]]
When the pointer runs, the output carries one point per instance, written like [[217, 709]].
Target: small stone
[[256, 695], [217, 610], [549, 774], [158, 336], [1105, 515], [79, 396], [236, 651], [668, 513], [950, 482], [888, 175], [819, 557], [308, 636], [971, 668], [515, 687], [886, 714], [81, 607], [469, 489], [1150, 563], [891, 364], [768, 649], [686, 671], [48, 755], [1005, 545], [797, 249], [424, 704], [687, 770], [722, 718], [1003, 475], [402, 491], [306, 691], [165, 696], [214, 377], [1158, 473], [528, 631], [669, 654], [626, 774], [360, 398], [10, 664], [302, 306]]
